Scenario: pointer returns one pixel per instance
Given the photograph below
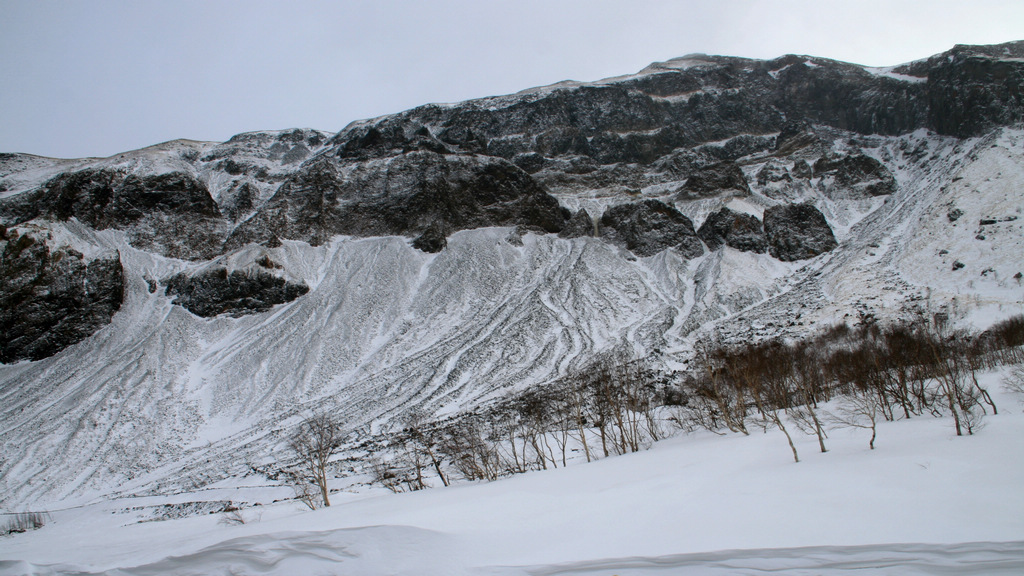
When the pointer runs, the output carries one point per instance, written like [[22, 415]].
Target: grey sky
[[95, 78]]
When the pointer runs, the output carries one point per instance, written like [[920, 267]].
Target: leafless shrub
[[422, 439], [858, 410], [386, 475], [1014, 381], [305, 492], [313, 443], [233, 516], [696, 413], [24, 521], [468, 447]]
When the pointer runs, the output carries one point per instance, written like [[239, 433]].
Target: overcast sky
[[97, 77]]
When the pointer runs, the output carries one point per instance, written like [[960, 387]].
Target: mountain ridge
[[161, 399]]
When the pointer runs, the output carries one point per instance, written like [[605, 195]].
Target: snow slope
[[923, 502], [162, 402]]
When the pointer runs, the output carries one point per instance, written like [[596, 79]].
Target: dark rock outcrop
[[773, 171], [172, 214], [648, 227], [715, 180], [490, 162], [801, 169], [853, 176], [797, 232], [215, 291], [734, 229], [403, 195], [581, 224], [287, 147], [794, 136], [52, 298], [972, 89], [433, 240], [738, 147], [239, 201]]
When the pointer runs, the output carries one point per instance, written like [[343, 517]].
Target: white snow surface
[[163, 402], [923, 502]]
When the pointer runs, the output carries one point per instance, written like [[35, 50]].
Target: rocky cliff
[[677, 133], [192, 296], [52, 297]]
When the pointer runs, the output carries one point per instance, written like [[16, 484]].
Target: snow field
[[923, 502]]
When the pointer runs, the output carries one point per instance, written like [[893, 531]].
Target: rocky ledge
[[172, 213], [51, 298], [648, 227], [734, 229], [216, 291], [797, 232], [408, 195]]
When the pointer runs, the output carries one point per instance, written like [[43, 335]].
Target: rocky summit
[[191, 296]]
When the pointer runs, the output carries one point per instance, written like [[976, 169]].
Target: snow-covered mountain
[[169, 313]]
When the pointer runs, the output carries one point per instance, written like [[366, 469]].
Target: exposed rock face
[[215, 291], [699, 99], [470, 164], [581, 224], [291, 147], [433, 240], [715, 180], [974, 88], [387, 138], [734, 229], [801, 169], [797, 232], [648, 227], [795, 135], [51, 299], [172, 214], [403, 195], [853, 176], [239, 201], [773, 171], [738, 147]]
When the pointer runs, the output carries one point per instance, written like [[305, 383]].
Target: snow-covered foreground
[[924, 502]]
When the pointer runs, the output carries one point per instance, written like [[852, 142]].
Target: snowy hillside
[[171, 314], [923, 502], [156, 399]]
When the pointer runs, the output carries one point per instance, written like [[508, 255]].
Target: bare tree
[[859, 409], [467, 444], [577, 403], [421, 439], [1014, 381], [314, 441], [718, 387]]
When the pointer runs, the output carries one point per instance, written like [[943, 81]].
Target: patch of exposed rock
[[972, 89], [581, 224], [717, 179], [795, 135], [734, 229], [853, 176], [797, 232], [433, 240], [648, 227], [216, 291], [287, 147], [52, 298], [403, 195], [773, 172], [239, 200], [172, 213], [802, 170]]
